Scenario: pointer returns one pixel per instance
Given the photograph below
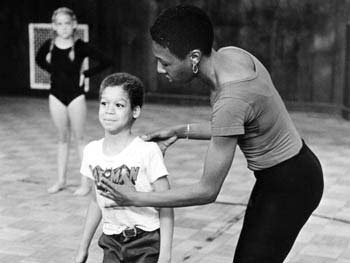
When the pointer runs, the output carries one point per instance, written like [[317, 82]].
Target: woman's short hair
[[130, 83], [183, 28]]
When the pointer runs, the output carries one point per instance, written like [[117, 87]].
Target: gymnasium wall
[[302, 43]]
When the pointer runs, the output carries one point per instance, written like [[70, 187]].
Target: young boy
[[130, 234]]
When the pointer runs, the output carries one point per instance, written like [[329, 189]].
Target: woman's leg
[[271, 225], [59, 115], [281, 202], [77, 111]]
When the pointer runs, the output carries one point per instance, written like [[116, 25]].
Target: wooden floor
[[38, 227]]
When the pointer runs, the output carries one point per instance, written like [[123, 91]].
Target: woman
[[246, 111]]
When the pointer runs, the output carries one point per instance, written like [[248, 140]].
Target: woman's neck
[[221, 67], [208, 73]]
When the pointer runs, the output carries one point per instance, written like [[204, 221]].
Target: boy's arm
[[166, 216], [93, 218]]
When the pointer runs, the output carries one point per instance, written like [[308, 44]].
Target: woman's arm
[[218, 161], [166, 216], [93, 218], [200, 131], [195, 131], [166, 137]]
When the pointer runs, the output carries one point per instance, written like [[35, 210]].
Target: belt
[[131, 232]]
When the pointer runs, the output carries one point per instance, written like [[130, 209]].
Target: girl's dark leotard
[[65, 74]]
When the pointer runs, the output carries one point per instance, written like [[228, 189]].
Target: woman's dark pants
[[283, 198]]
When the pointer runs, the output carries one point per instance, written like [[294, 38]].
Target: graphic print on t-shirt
[[115, 175]]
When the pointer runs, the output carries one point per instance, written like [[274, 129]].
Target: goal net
[[38, 34]]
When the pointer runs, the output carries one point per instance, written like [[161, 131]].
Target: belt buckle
[[129, 233]]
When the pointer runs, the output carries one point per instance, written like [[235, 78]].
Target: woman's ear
[[136, 112], [195, 56]]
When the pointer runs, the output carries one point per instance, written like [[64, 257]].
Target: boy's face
[[171, 66], [115, 112]]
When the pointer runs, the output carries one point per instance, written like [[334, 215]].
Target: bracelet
[[187, 131]]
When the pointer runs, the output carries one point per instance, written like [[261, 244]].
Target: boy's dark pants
[[142, 248]]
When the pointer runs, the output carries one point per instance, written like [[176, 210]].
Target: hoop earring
[[195, 68]]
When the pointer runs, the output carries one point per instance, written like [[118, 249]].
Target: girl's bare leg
[[77, 111], [59, 115]]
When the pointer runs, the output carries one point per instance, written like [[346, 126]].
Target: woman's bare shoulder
[[237, 63]]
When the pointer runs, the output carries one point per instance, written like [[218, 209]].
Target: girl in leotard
[[62, 56]]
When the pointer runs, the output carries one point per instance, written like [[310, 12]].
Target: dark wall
[[302, 43]]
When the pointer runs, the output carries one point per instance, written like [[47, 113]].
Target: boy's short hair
[[130, 83], [183, 28]]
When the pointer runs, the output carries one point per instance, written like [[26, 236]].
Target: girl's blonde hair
[[69, 12]]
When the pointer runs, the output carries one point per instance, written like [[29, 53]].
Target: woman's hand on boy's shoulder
[[164, 138], [163, 145]]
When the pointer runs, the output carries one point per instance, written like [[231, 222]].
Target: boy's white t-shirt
[[145, 155]]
